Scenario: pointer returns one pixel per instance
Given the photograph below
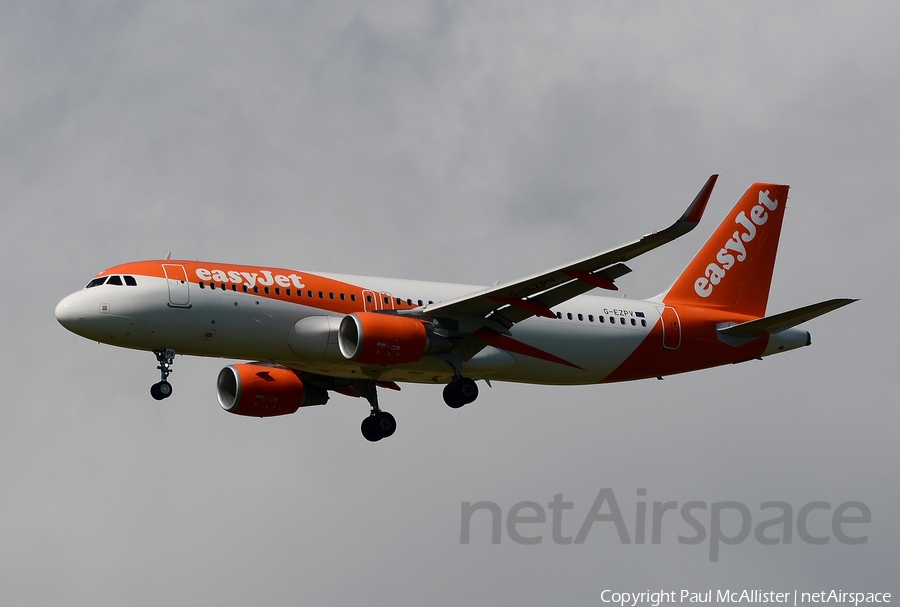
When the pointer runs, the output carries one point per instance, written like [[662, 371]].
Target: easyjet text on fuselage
[[263, 278]]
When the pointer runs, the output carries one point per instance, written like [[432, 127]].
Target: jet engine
[[384, 339], [264, 391]]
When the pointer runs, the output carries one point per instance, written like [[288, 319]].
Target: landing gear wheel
[[370, 430], [378, 426], [460, 392], [468, 389], [386, 423], [164, 388], [452, 396], [161, 390]]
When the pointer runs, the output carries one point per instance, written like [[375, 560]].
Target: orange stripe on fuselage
[[700, 347], [278, 281]]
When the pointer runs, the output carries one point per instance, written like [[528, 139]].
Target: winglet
[[689, 219], [695, 211]]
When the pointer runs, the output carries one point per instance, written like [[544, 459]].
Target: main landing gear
[[460, 391], [379, 424], [166, 359]]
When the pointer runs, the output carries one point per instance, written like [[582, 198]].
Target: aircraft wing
[[500, 307]]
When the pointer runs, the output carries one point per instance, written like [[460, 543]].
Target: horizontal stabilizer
[[781, 322]]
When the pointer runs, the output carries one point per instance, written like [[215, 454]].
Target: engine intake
[[384, 339], [264, 391]]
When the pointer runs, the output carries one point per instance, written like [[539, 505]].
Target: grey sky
[[464, 142]]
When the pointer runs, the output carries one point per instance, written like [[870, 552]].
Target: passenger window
[[622, 321], [343, 297], [387, 300], [601, 318], [202, 285], [612, 320], [399, 302], [224, 287], [633, 322], [643, 322], [420, 302], [234, 287], [369, 298], [309, 294], [115, 280], [267, 290], [287, 292], [256, 289], [130, 281], [353, 297], [569, 316], [244, 287], [277, 291], [581, 317], [331, 295], [591, 317], [409, 302], [321, 295]]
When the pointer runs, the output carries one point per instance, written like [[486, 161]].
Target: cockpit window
[[114, 280], [96, 282], [130, 281]]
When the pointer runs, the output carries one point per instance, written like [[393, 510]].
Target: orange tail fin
[[733, 270]]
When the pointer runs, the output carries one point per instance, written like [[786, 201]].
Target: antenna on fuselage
[[168, 255]]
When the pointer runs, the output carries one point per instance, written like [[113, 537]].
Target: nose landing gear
[[163, 389]]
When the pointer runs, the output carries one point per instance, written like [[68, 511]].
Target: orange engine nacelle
[[384, 339], [262, 391]]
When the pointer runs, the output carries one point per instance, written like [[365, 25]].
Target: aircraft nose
[[70, 312]]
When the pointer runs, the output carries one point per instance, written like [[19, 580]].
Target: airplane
[[309, 334]]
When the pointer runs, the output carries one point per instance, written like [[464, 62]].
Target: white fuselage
[[233, 324]]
